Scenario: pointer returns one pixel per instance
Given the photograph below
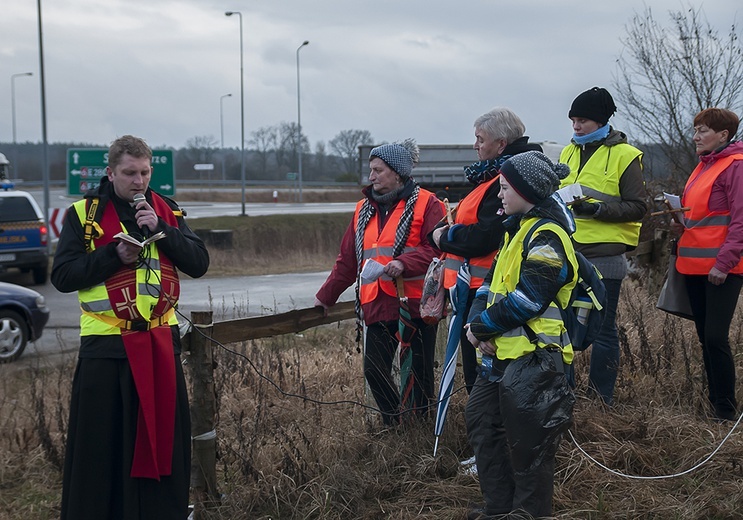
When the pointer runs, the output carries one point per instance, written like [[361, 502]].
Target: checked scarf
[[401, 237]]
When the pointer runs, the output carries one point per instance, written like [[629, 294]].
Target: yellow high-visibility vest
[[599, 180], [548, 327]]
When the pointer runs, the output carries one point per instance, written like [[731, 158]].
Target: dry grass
[[290, 457], [276, 243], [309, 195]]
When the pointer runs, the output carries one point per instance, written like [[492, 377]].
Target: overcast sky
[[406, 68]]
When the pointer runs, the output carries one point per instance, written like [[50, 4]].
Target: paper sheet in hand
[[675, 202], [371, 270], [570, 192], [128, 238]]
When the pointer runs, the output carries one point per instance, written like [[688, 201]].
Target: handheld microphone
[[139, 197]]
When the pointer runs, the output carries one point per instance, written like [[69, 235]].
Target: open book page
[[128, 238], [674, 202], [570, 192]]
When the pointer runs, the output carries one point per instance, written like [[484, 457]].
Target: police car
[[23, 234]]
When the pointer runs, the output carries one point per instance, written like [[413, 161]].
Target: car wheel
[[13, 335], [40, 275]]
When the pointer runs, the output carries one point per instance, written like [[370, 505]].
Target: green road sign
[[86, 166]]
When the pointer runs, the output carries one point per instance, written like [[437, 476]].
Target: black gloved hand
[[585, 208]]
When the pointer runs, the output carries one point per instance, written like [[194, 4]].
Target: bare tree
[[666, 75], [265, 141], [346, 145], [320, 162], [286, 151], [201, 148]]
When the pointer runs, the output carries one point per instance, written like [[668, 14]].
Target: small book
[[128, 238], [570, 192], [674, 204]]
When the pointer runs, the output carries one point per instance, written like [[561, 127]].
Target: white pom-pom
[[412, 147]]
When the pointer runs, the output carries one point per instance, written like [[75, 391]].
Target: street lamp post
[[299, 124], [12, 95], [221, 129], [12, 106], [44, 140], [242, 110]]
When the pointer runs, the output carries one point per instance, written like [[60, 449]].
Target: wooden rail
[[199, 344]]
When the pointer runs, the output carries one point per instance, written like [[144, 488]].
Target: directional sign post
[[86, 167]]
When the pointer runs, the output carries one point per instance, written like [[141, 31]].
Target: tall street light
[[44, 140], [12, 95], [12, 105], [221, 128], [299, 123], [242, 110]]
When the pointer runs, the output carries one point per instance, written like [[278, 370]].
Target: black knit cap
[[533, 175], [595, 104]]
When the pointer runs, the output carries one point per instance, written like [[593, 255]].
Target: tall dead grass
[[309, 195], [312, 455], [276, 243]]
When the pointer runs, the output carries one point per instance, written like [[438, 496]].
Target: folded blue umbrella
[[458, 294]]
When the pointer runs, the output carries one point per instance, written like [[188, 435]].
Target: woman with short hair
[[710, 248]]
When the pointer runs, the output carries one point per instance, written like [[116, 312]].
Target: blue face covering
[[596, 135]]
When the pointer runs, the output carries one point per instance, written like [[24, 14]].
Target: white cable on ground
[[659, 477]]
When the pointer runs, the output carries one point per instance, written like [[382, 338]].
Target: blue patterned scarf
[[482, 171]]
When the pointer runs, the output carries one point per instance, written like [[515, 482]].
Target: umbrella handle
[[400, 287]]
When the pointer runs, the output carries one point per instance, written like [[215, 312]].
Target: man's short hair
[[127, 144], [501, 123]]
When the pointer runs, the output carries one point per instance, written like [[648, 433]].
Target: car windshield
[[14, 209]]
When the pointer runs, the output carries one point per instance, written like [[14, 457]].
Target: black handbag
[[673, 297]]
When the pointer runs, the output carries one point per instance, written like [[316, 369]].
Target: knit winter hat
[[401, 157], [533, 175], [595, 104]]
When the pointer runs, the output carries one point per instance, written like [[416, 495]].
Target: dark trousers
[[713, 307], [381, 345], [469, 353], [514, 427], [605, 349]]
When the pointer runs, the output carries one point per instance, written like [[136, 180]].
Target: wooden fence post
[[203, 411], [661, 254]]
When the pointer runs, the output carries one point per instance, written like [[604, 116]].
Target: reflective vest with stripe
[[467, 215], [599, 180], [379, 245], [548, 327], [706, 230], [95, 299]]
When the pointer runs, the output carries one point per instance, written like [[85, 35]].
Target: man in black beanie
[[609, 172]]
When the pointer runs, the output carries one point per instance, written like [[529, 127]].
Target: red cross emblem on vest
[[129, 304]]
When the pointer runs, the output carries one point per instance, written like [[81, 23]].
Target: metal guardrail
[[181, 183]]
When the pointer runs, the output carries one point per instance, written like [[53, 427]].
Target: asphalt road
[[59, 199], [228, 298]]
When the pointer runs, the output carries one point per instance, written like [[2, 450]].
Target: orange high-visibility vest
[[379, 245], [467, 214], [706, 230]]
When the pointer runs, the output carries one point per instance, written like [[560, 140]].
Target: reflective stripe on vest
[[95, 299], [599, 180], [548, 327], [705, 230], [467, 215], [380, 245]]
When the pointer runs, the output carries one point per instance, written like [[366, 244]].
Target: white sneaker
[[469, 467]]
